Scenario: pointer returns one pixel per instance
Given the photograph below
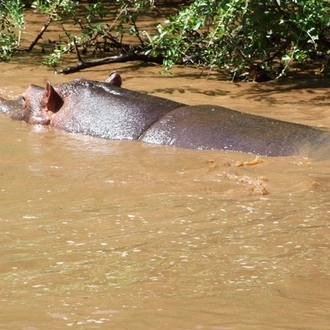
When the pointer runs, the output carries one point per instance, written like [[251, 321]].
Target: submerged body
[[105, 110], [214, 127]]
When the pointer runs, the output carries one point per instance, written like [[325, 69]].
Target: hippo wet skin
[[91, 108], [108, 111]]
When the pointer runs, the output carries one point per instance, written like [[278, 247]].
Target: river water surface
[[123, 235]]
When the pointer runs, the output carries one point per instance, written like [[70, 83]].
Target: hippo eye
[[23, 101]]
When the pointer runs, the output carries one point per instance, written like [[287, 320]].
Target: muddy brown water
[[123, 235]]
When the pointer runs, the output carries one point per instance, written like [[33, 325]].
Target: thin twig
[[39, 36]]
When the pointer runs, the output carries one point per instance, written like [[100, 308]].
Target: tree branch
[[39, 36], [114, 59]]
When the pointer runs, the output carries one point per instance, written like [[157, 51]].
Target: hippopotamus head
[[41, 104], [101, 109]]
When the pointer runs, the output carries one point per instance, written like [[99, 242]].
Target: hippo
[[32, 102], [100, 109], [106, 110]]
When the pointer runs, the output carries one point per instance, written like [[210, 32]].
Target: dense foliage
[[11, 19], [237, 35]]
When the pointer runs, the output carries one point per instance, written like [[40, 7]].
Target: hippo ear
[[50, 99], [114, 79]]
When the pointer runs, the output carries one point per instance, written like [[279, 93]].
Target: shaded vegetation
[[250, 39]]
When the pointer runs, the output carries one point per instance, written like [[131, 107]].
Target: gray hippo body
[[212, 127], [107, 111]]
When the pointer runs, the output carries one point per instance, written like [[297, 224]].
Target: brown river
[[102, 234]]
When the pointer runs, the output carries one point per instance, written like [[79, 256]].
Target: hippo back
[[105, 111], [214, 127]]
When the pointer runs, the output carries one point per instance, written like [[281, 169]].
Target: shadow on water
[[301, 82], [297, 83], [216, 92]]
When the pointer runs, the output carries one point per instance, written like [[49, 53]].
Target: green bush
[[12, 22], [236, 35], [239, 34]]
